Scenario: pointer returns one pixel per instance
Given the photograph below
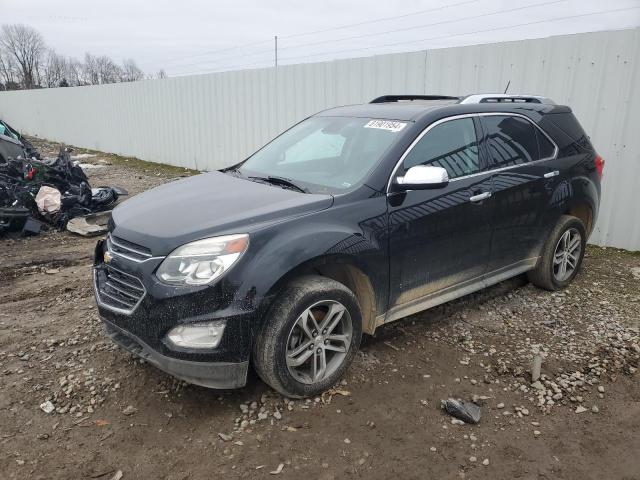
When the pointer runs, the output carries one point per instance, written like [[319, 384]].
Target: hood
[[206, 205]]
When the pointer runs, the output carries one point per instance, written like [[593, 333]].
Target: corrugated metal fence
[[213, 120]]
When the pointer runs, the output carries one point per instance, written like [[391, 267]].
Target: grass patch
[[129, 162]]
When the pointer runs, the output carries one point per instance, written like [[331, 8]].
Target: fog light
[[197, 335]]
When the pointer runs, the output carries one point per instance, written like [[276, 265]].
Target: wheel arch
[[340, 268]]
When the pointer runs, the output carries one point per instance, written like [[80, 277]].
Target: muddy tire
[[309, 337], [562, 255]]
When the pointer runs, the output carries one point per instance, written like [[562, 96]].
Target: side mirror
[[423, 177]]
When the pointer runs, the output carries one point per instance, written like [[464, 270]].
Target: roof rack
[[400, 98], [505, 98]]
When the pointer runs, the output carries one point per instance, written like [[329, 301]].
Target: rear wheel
[[562, 255], [309, 337]]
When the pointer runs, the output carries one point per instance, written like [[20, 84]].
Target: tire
[[282, 335], [548, 272]]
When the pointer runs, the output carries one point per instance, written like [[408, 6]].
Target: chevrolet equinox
[[353, 218]]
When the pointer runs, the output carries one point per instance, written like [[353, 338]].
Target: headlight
[[202, 261]]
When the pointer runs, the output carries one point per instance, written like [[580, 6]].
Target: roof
[[414, 107], [406, 111]]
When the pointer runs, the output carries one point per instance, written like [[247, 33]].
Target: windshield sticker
[[386, 125]]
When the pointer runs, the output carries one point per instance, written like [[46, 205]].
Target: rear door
[[521, 158], [441, 237]]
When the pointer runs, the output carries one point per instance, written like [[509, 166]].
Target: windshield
[[325, 154]]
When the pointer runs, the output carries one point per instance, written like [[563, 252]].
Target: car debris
[[536, 368], [51, 190], [468, 412], [90, 225], [47, 407]]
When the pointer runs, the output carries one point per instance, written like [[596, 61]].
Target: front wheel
[[309, 337], [561, 256]]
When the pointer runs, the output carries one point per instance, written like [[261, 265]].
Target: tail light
[[599, 166]]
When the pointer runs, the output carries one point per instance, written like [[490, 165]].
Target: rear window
[[511, 140], [569, 125]]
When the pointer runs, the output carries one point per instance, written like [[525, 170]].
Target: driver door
[[440, 238]]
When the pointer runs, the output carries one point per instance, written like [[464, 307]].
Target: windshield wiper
[[282, 182]]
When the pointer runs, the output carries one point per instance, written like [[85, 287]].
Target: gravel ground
[[111, 413]]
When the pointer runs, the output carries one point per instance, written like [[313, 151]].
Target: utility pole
[[276, 50]]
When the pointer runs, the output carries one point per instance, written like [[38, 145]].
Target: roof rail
[[399, 98], [505, 98]]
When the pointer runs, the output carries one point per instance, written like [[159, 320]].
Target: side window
[[314, 147], [452, 145], [544, 145], [510, 140]]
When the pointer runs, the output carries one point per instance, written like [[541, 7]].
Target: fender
[[332, 237]]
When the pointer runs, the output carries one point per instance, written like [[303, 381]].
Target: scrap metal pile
[[35, 192]]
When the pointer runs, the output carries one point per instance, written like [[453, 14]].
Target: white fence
[[213, 120]]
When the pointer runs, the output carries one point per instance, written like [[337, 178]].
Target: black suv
[[353, 218]]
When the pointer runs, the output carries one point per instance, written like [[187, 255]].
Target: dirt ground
[[115, 414]]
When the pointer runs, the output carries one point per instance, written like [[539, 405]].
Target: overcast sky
[[197, 36]]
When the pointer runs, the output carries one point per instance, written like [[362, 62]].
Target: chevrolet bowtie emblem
[[107, 257]]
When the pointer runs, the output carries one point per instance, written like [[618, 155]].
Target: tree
[[130, 71], [55, 69], [8, 70], [26, 46], [90, 74], [161, 74], [108, 71]]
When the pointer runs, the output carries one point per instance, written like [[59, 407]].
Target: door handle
[[555, 173], [480, 197]]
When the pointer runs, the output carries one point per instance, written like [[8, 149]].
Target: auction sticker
[[386, 125]]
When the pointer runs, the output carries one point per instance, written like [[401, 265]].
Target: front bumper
[[222, 375], [139, 318]]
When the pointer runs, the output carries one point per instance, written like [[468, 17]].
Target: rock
[[117, 475], [473, 459], [595, 409], [485, 462], [347, 441], [536, 433], [224, 437], [635, 271], [433, 449], [580, 409], [538, 386], [601, 389], [277, 415], [500, 405], [130, 410], [47, 407]]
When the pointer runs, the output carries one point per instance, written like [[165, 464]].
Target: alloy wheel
[[319, 341], [567, 255]]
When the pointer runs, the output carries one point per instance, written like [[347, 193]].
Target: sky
[[199, 36]]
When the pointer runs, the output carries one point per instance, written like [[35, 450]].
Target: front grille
[[117, 290], [127, 249]]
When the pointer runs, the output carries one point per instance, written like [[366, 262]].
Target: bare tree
[[130, 71], [90, 74], [161, 74], [73, 73], [108, 71], [8, 71], [26, 46], [54, 70]]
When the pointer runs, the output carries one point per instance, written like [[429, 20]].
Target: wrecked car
[[34, 190], [351, 219]]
